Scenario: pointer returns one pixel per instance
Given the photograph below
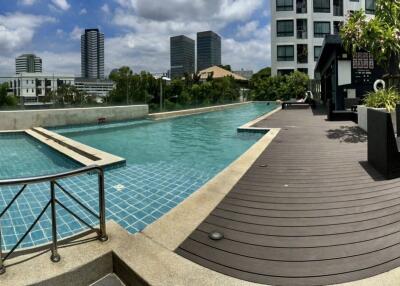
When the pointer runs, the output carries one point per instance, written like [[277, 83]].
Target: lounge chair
[[307, 101]]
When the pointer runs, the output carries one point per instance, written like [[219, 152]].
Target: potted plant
[[382, 99]]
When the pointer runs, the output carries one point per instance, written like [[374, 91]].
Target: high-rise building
[[28, 63], [92, 54], [208, 50], [182, 56], [298, 28]]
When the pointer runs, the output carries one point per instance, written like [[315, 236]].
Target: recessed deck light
[[216, 235]]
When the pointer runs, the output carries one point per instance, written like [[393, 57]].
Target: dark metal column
[[55, 257]]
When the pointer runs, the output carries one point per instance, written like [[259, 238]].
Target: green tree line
[[190, 91], [281, 87]]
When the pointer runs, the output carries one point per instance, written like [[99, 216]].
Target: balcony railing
[[54, 185]]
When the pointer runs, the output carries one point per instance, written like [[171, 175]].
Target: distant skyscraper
[[182, 56], [92, 54], [28, 63], [208, 50]]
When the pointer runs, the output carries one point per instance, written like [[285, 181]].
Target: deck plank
[[310, 211]]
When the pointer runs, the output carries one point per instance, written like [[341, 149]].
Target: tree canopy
[[379, 35], [267, 87]]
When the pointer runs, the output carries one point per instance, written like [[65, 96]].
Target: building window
[[370, 6], [33, 82], [27, 82], [336, 27], [284, 5], [285, 53], [317, 52], [302, 54], [27, 91], [284, 28], [32, 90], [322, 6], [321, 29], [285, 72], [301, 28], [301, 6], [337, 7], [305, 71]]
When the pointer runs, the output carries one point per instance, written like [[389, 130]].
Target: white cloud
[[105, 8], [18, 29], [76, 33], [149, 26], [61, 4], [27, 2], [68, 63], [83, 11], [247, 30]]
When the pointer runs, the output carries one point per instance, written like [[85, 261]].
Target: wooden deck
[[310, 211]]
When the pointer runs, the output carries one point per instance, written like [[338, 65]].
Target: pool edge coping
[[217, 188], [194, 111], [53, 139]]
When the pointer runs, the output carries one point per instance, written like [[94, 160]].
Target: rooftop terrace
[[310, 210]]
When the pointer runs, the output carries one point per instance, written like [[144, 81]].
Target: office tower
[[208, 50], [298, 28], [182, 56], [28, 63], [92, 54]]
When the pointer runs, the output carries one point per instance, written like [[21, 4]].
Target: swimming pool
[[23, 156], [167, 161]]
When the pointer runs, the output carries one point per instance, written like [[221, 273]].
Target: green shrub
[[383, 99]]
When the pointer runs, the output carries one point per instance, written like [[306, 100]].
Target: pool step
[[109, 280], [85, 155]]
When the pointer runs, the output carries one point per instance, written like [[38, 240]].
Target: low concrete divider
[[185, 112], [25, 119]]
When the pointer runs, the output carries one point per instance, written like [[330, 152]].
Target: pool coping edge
[[176, 225], [68, 145]]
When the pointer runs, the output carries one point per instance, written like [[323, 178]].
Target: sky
[[136, 32]]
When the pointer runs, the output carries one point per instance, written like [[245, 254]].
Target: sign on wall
[[363, 65]]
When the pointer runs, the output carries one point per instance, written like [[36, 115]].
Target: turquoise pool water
[[203, 142], [167, 161], [23, 156]]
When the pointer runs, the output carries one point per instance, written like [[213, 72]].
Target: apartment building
[[298, 29]]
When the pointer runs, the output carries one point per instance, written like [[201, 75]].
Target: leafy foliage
[[179, 93], [279, 87], [383, 99], [6, 100], [379, 35]]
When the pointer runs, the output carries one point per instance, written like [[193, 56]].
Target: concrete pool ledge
[[186, 112], [175, 226], [81, 153], [248, 127]]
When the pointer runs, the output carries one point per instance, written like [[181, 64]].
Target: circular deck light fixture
[[216, 235]]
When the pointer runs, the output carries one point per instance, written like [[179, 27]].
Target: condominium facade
[[95, 87], [92, 54], [208, 50], [182, 51], [28, 63], [298, 28], [31, 87]]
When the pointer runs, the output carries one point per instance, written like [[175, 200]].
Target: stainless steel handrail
[[55, 257]]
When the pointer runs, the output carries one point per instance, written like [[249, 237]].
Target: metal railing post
[[2, 267], [102, 207], [55, 257]]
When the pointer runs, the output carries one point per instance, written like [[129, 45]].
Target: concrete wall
[[171, 114], [25, 119]]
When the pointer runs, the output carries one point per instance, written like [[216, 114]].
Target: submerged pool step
[[79, 152]]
